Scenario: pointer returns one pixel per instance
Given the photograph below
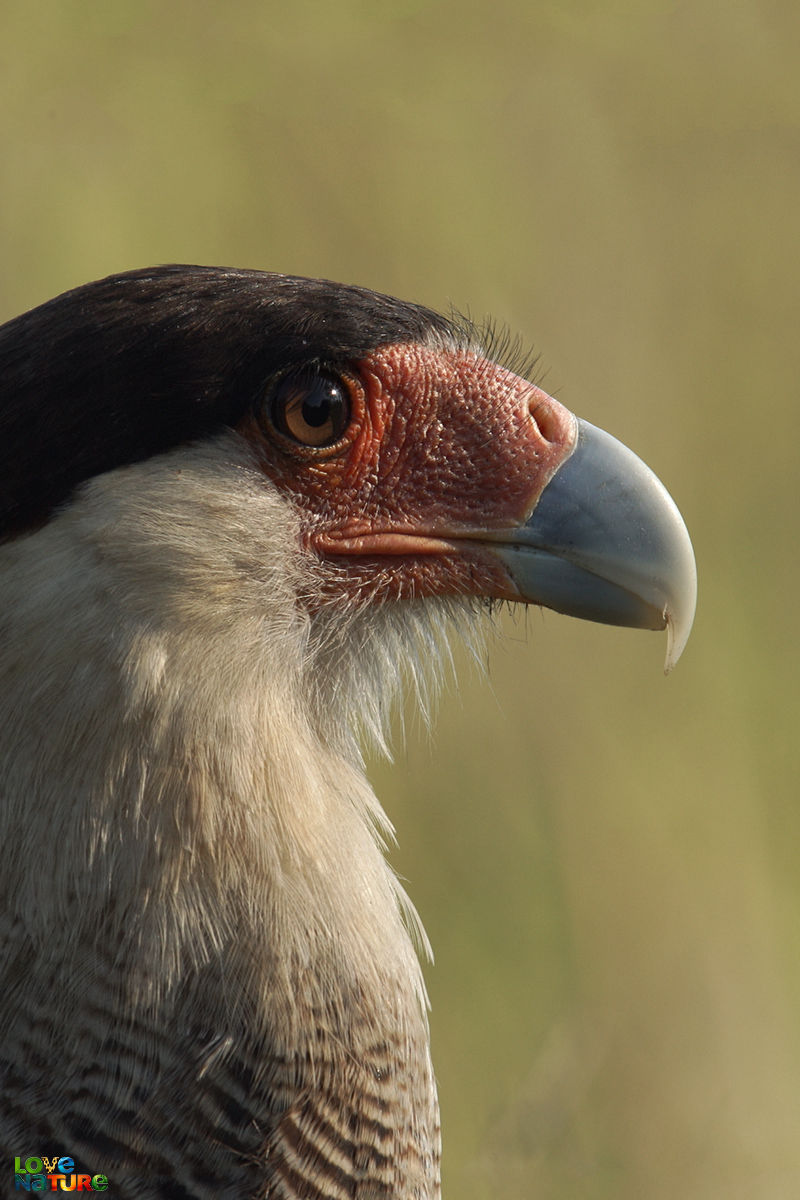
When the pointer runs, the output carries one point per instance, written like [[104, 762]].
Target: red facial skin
[[444, 451]]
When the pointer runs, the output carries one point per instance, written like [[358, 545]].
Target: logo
[[56, 1173]]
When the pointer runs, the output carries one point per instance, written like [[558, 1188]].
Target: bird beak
[[605, 541]]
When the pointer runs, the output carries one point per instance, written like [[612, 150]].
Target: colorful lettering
[[29, 1176]]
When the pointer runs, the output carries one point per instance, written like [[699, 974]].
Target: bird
[[239, 512]]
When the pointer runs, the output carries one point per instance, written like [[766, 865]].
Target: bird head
[[415, 465]]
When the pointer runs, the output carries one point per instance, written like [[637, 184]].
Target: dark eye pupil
[[317, 406], [310, 407]]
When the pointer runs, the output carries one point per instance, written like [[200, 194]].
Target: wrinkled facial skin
[[443, 448]]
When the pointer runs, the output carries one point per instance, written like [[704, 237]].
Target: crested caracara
[[235, 508]]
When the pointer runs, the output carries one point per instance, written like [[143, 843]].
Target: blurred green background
[[606, 860]]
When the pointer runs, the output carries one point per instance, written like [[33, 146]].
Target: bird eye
[[311, 408]]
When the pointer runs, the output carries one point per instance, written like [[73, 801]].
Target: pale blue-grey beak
[[605, 541]]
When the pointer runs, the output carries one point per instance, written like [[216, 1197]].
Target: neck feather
[[178, 760]]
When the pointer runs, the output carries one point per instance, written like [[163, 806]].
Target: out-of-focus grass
[[607, 861]]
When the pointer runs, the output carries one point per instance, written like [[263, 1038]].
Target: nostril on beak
[[549, 423]]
